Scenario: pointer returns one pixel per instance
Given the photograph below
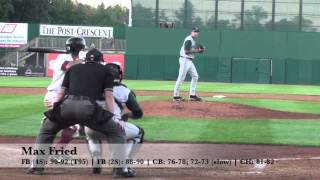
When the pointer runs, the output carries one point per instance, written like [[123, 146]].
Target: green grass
[[279, 105], [168, 86], [24, 81], [20, 115], [262, 131]]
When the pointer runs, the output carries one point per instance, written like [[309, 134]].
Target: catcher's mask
[[94, 55], [116, 71]]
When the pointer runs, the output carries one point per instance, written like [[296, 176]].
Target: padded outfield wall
[[231, 56]]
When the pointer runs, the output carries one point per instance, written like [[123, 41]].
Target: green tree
[[292, 24], [253, 17], [187, 16], [222, 23], [64, 12], [119, 15], [100, 17], [162, 16], [142, 16], [31, 11], [307, 25], [61, 12], [197, 21], [285, 25], [6, 9], [84, 13]]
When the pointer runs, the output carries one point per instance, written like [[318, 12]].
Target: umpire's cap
[[195, 29]]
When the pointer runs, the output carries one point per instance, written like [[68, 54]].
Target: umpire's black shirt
[[89, 79]]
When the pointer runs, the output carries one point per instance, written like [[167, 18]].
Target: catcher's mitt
[[125, 117]]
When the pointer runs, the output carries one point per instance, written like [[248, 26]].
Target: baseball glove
[[125, 117], [201, 48]]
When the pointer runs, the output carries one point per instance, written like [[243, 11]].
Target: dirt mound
[[207, 110], [311, 98]]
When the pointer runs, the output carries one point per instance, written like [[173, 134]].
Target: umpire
[[83, 84]]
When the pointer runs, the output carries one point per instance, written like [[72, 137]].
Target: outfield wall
[[231, 56]]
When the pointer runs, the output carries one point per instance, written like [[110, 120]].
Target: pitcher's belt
[[187, 58]]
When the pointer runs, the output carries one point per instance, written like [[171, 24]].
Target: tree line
[[61, 12]]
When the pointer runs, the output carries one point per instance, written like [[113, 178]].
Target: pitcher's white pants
[[186, 66]]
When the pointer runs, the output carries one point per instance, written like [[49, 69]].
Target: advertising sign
[[109, 58], [13, 35], [81, 31]]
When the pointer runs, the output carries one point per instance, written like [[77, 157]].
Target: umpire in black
[[83, 84]]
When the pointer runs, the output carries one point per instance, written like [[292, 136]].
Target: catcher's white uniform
[[134, 135]]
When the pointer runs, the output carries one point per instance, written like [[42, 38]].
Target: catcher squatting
[[77, 109]]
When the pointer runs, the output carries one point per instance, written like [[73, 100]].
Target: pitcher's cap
[[195, 29]]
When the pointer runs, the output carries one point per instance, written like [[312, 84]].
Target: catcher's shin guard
[[95, 148], [134, 144], [141, 134], [94, 142]]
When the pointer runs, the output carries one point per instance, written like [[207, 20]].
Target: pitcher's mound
[[207, 110]]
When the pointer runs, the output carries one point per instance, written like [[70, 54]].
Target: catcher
[[134, 134]]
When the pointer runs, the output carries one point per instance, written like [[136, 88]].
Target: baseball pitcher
[[187, 55]]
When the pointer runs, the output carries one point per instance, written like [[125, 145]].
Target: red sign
[[109, 58], [51, 62], [115, 58]]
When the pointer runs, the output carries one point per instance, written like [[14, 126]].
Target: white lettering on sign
[[83, 31], [8, 71]]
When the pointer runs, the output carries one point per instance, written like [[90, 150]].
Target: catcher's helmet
[[94, 55], [74, 45], [116, 71]]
